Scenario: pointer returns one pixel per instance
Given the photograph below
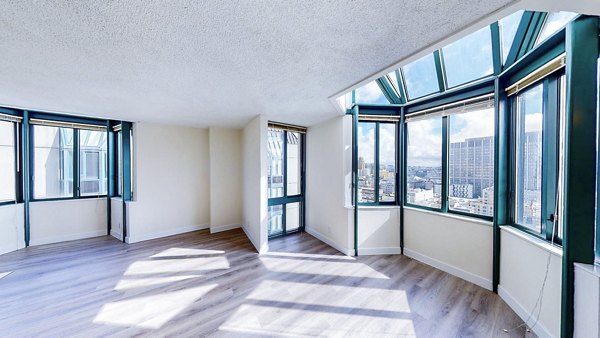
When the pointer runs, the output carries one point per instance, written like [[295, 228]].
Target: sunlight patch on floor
[[368, 300], [293, 322], [134, 283], [4, 274], [150, 312], [177, 265], [183, 252], [342, 269], [304, 255]]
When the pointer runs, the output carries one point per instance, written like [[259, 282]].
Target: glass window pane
[[508, 30], [275, 219], [420, 77], [370, 94], [424, 161], [292, 216], [119, 164], [471, 161], [529, 158], [92, 162], [294, 159], [394, 81], [366, 162], [53, 162], [554, 22], [387, 162], [275, 158], [7, 161], [469, 58]]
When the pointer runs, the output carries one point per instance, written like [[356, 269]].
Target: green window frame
[[445, 112], [71, 173], [377, 179], [550, 229]]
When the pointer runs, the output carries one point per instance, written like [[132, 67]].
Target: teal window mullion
[[445, 139], [496, 48], [439, 68], [376, 187]]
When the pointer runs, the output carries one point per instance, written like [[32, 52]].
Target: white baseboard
[[329, 241], [164, 233], [220, 228], [69, 237], [468, 276], [522, 312], [260, 249], [378, 251], [116, 234]]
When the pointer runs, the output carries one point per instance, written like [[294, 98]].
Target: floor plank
[[202, 284]]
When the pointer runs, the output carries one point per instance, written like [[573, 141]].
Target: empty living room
[[301, 168]]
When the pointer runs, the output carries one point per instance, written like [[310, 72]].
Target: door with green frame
[[285, 179]]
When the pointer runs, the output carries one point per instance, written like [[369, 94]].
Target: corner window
[[52, 162], [461, 179], [68, 162], [424, 161], [377, 162], [7, 161], [537, 157], [471, 160], [92, 162]]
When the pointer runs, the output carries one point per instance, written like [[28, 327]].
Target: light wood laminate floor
[[201, 284]]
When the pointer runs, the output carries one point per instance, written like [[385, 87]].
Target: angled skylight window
[[370, 94], [394, 81], [420, 77], [508, 30], [554, 22], [469, 58]]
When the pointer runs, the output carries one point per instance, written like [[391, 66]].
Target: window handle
[[552, 218]]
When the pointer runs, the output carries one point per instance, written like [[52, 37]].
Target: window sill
[[373, 207], [462, 218], [592, 269], [540, 243], [81, 199]]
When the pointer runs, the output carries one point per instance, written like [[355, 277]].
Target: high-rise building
[[471, 162]]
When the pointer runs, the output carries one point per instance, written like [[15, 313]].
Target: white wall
[[587, 300], [11, 228], [171, 181], [254, 160], [523, 262], [66, 220], [458, 245], [225, 153], [328, 179], [378, 230]]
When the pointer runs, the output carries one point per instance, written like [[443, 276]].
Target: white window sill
[[373, 207], [462, 218], [540, 243]]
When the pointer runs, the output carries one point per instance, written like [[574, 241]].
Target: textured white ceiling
[[211, 63]]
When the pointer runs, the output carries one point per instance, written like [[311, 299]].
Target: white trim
[[540, 243], [468, 276], [165, 233], [116, 234], [65, 238], [462, 218], [378, 251], [225, 227], [329, 241], [520, 310], [263, 249]]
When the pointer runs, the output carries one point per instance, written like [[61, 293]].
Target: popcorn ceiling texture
[[210, 63]]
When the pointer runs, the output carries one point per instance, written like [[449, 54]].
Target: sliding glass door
[[286, 180]]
